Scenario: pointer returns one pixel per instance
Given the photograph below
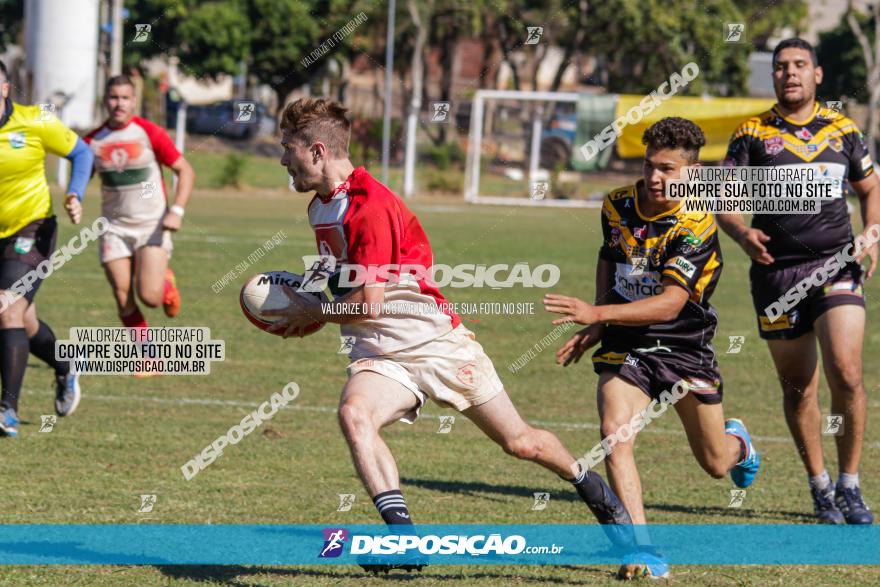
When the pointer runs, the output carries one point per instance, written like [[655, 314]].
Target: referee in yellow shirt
[[27, 238]]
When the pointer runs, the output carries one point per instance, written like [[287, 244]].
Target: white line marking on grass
[[328, 410], [244, 239]]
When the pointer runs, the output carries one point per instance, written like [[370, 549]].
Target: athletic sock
[[588, 491], [135, 320], [821, 481], [392, 507], [14, 351], [42, 346], [848, 480]]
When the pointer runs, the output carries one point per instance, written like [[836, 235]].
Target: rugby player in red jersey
[[399, 359]]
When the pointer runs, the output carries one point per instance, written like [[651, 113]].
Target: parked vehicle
[[234, 119]]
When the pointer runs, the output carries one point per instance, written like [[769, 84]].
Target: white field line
[[248, 239], [328, 410]]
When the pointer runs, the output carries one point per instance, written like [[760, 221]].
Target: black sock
[[13, 362], [42, 345], [392, 507], [588, 488]]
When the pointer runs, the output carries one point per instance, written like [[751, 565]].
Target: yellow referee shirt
[[26, 134]]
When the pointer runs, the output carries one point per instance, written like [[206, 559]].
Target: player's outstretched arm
[[584, 339], [653, 310], [868, 190]]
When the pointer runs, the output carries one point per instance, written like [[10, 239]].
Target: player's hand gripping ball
[[265, 292]]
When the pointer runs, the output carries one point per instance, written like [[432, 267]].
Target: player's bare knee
[[13, 316], [616, 428], [354, 418], [797, 388], [525, 445], [845, 375], [151, 299]]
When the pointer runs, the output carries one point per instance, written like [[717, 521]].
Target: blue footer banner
[[168, 544]]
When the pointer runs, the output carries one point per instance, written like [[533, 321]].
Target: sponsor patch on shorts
[[467, 374], [848, 286], [781, 323], [702, 386]]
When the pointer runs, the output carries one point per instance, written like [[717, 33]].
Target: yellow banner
[[718, 117]]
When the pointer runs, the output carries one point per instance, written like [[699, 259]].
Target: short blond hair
[[318, 119]]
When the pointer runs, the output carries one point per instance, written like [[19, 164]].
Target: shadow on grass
[[479, 489], [232, 574]]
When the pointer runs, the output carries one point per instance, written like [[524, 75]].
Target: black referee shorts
[[20, 253]]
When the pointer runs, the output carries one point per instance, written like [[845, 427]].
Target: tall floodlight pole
[[389, 64]]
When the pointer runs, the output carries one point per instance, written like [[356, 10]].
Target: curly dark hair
[[676, 133]]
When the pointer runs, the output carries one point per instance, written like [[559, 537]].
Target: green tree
[[11, 21], [213, 38], [638, 43], [842, 62]]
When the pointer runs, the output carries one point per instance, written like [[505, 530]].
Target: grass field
[[130, 436]]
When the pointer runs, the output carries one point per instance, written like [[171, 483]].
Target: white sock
[[821, 481], [850, 481]]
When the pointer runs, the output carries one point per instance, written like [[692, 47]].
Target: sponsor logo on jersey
[[640, 232], [615, 237], [835, 144], [774, 145], [636, 287], [684, 266], [16, 140], [866, 163], [804, 134]]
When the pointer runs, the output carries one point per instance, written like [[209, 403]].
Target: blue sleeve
[[81, 159]]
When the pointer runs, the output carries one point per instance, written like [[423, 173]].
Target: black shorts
[[660, 369], [21, 252], [769, 284]]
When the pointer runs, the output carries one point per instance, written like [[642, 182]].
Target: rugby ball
[[264, 291]]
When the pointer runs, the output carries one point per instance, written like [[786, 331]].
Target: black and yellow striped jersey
[[676, 246], [828, 142]]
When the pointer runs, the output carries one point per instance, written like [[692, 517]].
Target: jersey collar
[[794, 122], [8, 113], [345, 186]]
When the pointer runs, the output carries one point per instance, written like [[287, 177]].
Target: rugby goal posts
[[518, 141]]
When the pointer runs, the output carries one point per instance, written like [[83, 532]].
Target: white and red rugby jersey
[[363, 223], [128, 159]]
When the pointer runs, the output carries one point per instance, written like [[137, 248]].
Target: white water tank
[[61, 53]]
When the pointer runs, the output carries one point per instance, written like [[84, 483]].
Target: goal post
[[530, 147]]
